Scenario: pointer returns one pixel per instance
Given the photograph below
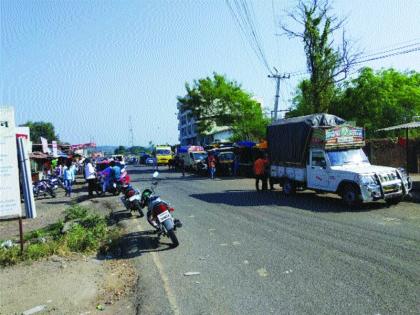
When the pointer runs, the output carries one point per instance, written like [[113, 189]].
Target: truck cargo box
[[289, 139]]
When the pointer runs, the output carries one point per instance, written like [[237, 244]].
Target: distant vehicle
[[163, 154], [225, 162], [323, 153], [143, 158], [150, 161], [192, 156]]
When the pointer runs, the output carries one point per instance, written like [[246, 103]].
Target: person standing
[[90, 176], [212, 165], [260, 173], [182, 165], [68, 176]]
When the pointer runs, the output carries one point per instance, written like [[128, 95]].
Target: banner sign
[[338, 136], [44, 145], [54, 149], [9, 171]]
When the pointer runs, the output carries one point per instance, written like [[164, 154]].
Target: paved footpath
[[264, 253]]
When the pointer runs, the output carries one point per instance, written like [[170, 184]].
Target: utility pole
[[278, 77], [131, 131]]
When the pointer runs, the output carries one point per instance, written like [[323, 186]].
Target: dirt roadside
[[67, 285]]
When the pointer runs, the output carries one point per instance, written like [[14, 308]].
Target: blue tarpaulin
[[248, 144]]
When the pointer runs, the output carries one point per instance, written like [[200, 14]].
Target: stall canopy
[[248, 144], [407, 126]]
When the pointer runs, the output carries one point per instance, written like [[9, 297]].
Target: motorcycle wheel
[[52, 193], [173, 238], [138, 208], [116, 191]]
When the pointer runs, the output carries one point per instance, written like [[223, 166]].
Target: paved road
[[263, 253]]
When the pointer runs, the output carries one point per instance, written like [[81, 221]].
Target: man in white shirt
[[90, 176]]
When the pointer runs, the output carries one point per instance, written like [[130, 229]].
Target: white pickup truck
[[331, 161]]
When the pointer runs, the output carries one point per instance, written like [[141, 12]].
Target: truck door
[[317, 170]]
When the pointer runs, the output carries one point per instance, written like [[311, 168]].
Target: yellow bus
[[162, 153]]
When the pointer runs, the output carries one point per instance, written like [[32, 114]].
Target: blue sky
[[86, 66]]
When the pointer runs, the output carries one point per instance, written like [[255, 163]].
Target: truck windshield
[[342, 157], [200, 156], [163, 152]]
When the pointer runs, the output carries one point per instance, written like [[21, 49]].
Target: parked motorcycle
[[159, 213], [113, 188], [43, 187], [131, 199]]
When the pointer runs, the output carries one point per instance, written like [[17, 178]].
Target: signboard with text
[[339, 136], [9, 171]]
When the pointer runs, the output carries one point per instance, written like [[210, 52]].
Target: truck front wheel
[[350, 195], [289, 187]]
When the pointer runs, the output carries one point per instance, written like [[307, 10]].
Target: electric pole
[[131, 131], [278, 77]]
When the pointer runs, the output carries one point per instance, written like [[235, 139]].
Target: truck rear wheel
[[350, 195], [289, 187]]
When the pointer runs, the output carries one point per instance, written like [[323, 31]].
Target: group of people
[[67, 171], [112, 173]]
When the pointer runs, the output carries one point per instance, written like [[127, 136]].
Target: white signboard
[[44, 145], [9, 172], [54, 148]]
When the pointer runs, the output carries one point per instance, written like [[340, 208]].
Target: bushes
[[85, 232]]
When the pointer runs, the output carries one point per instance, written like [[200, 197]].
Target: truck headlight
[[367, 180]]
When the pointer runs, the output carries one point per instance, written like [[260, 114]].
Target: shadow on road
[[137, 243], [305, 201]]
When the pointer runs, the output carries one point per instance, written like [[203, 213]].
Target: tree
[[120, 150], [326, 64], [136, 150], [381, 99], [41, 129], [217, 101]]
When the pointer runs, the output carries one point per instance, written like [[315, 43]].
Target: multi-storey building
[[188, 133], [187, 127]]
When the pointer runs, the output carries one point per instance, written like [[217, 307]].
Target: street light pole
[[278, 77]]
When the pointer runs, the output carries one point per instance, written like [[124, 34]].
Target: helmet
[[146, 194]]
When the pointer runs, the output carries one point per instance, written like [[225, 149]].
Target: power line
[[391, 50], [388, 55], [244, 16]]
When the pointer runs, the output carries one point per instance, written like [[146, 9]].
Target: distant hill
[[106, 148]]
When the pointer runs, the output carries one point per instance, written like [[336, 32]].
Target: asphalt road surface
[[264, 253]]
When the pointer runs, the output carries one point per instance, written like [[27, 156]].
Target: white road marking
[[165, 280], [223, 244], [236, 243]]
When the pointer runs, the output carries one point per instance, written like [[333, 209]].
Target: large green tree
[[217, 101], [327, 62], [379, 99], [41, 129]]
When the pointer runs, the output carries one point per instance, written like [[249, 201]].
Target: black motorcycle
[[131, 199], [159, 213], [44, 187]]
